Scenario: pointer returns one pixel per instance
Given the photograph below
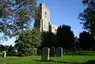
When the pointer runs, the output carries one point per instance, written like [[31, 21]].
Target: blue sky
[[62, 12]]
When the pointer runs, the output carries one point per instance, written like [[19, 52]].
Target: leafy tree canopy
[[65, 37], [88, 16], [15, 15], [86, 40]]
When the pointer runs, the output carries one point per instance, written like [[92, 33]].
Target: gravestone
[[59, 52], [45, 53], [74, 49], [93, 48], [52, 51], [4, 53], [80, 49], [77, 45]]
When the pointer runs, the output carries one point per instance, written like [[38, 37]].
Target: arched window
[[46, 14]]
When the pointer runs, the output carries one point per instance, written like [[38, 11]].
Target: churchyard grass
[[84, 57]]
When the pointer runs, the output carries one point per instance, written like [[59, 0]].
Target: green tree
[[16, 15], [3, 48], [10, 48], [47, 39], [65, 37], [88, 16], [27, 42], [86, 40]]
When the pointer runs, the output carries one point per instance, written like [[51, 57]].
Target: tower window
[[45, 14]]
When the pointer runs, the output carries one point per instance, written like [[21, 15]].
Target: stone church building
[[42, 19]]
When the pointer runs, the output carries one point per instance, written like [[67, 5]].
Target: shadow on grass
[[62, 62], [81, 53], [59, 62], [45, 60], [90, 62], [68, 63]]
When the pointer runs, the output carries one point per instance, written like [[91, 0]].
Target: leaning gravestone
[[52, 51], [4, 53], [45, 53], [59, 52], [74, 49]]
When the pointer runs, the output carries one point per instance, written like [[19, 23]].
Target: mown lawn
[[71, 58]]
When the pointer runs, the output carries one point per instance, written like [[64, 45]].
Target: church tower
[[42, 18]]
